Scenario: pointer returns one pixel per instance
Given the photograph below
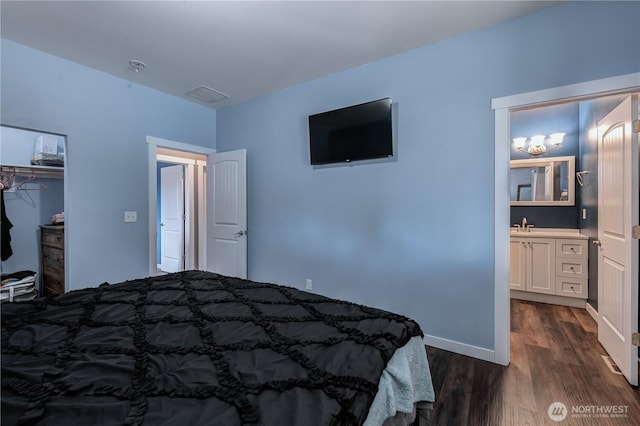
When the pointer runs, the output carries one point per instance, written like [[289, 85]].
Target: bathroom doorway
[[592, 98]]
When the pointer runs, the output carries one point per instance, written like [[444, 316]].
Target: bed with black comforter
[[194, 348]]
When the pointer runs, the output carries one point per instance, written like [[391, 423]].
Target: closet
[[32, 170]]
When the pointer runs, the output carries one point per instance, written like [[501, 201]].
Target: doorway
[[181, 210], [222, 207], [503, 108], [192, 243]]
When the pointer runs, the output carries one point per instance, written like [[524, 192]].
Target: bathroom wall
[[544, 121]]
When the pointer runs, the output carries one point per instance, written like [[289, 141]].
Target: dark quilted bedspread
[[194, 348]]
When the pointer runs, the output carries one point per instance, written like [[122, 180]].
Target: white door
[[618, 252], [227, 249], [172, 218]]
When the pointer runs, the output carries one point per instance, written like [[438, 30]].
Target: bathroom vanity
[[549, 266]]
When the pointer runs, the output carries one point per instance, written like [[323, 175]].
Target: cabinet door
[[541, 271], [517, 266]]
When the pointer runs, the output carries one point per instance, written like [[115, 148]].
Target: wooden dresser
[[52, 259]]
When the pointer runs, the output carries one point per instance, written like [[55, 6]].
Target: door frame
[[153, 144], [502, 108]]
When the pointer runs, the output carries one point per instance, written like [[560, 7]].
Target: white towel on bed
[[405, 381]]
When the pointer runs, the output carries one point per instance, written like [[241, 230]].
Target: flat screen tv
[[355, 133]]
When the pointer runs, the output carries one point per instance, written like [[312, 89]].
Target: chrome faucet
[[526, 226]]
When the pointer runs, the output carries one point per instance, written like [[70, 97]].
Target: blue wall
[[107, 121], [416, 235]]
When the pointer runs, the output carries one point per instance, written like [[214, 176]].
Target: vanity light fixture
[[538, 144]]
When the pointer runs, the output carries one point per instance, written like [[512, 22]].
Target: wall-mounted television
[[355, 133]]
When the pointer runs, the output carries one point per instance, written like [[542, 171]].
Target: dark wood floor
[[555, 357]]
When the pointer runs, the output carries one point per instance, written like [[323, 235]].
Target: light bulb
[[519, 143], [556, 138]]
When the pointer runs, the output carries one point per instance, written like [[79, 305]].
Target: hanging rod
[[38, 171]]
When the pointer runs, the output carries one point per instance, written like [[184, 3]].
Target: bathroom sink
[[547, 233]]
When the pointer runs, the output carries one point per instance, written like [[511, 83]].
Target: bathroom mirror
[[545, 181]]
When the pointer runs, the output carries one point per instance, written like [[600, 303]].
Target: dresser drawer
[[53, 237], [52, 287], [53, 257], [51, 272], [52, 281], [576, 268], [572, 248], [572, 287]]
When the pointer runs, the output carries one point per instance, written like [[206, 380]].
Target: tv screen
[[358, 132]]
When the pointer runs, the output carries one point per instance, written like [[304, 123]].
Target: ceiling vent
[[207, 94]]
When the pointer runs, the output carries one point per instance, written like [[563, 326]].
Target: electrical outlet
[[309, 284], [130, 216]]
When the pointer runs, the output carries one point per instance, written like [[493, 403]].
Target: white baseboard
[[489, 354], [591, 311], [460, 348]]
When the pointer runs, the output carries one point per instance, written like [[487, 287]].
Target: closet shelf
[[38, 171]]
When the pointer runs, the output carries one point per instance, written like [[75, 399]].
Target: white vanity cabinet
[[533, 265], [549, 268], [572, 268]]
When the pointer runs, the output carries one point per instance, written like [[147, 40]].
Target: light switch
[[130, 216]]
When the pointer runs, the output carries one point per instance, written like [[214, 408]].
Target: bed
[[199, 348]]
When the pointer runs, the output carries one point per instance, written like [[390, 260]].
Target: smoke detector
[[137, 65]]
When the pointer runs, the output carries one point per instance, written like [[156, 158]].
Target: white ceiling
[[244, 49]]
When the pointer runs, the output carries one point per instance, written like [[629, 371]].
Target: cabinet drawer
[[572, 287], [53, 238], [572, 248], [576, 268]]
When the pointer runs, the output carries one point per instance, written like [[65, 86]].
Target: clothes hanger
[[5, 183], [31, 179]]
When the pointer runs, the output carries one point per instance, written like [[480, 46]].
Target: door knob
[[240, 233], [597, 242]]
